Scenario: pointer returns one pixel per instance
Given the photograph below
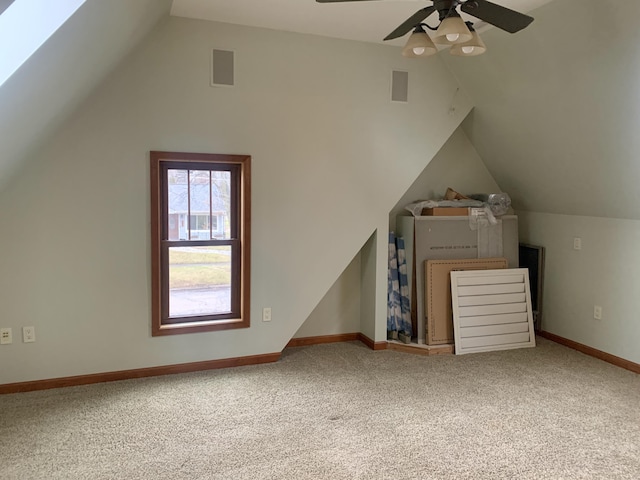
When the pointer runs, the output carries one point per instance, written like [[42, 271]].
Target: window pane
[[178, 205], [199, 222], [200, 194], [199, 280], [221, 204]]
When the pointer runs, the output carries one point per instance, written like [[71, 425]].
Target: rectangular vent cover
[[222, 68], [492, 310], [399, 86]]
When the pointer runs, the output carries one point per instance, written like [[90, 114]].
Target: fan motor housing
[[444, 7]]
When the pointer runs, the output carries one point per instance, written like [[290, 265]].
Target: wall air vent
[[399, 86], [222, 68]]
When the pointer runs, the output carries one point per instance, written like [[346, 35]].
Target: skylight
[[25, 25], [4, 4]]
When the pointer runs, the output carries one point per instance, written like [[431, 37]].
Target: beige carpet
[[339, 411]]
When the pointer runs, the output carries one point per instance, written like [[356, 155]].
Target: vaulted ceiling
[[556, 104], [67, 68], [76, 58]]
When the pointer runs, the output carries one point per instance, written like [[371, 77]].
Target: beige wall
[[331, 157], [604, 272], [339, 310], [557, 108], [555, 120], [456, 164]]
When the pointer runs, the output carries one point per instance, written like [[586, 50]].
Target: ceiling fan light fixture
[[419, 45], [473, 47], [452, 30]]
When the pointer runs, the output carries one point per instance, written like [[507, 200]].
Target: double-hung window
[[200, 234]]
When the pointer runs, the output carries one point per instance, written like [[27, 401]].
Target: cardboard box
[[451, 194], [443, 238], [446, 212], [438, 294]]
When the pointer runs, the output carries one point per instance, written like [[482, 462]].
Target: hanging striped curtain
[[405, 301], [394, 309], [398, 304]]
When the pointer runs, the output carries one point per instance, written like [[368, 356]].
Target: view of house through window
[[199, 277], [201, 239]]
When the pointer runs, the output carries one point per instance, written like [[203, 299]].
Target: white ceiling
[[358, 20]]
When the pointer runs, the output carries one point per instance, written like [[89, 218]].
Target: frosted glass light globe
[[452, 30]]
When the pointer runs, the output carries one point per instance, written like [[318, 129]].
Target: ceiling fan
[[452, 30]]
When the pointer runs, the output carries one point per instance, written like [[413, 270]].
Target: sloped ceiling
[[65, 70], [558, 109], [76, 58], [522, 85]]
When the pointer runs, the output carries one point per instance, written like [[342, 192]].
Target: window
[[25, 26], [200, 234]]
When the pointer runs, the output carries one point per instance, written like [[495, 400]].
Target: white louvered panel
[[492, 309], [489, 343], [485, 316], [490, 280], [493, 319], [492, 299], [487, 330], [491, 289]]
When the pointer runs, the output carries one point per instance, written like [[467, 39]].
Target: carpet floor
[[339, 411]]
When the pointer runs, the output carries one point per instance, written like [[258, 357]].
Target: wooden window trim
[[243, 202]]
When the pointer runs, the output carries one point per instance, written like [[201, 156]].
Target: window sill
[[199, 327]]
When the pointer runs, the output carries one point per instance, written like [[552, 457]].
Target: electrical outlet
[[28, 334], [266, 314], [6, 337], [577, 243], [597, 312]]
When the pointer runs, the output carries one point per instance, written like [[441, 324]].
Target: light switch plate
[[577, 243], [28, 334]]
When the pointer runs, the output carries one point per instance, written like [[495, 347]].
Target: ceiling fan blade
[[410, 23], [501, 17]]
